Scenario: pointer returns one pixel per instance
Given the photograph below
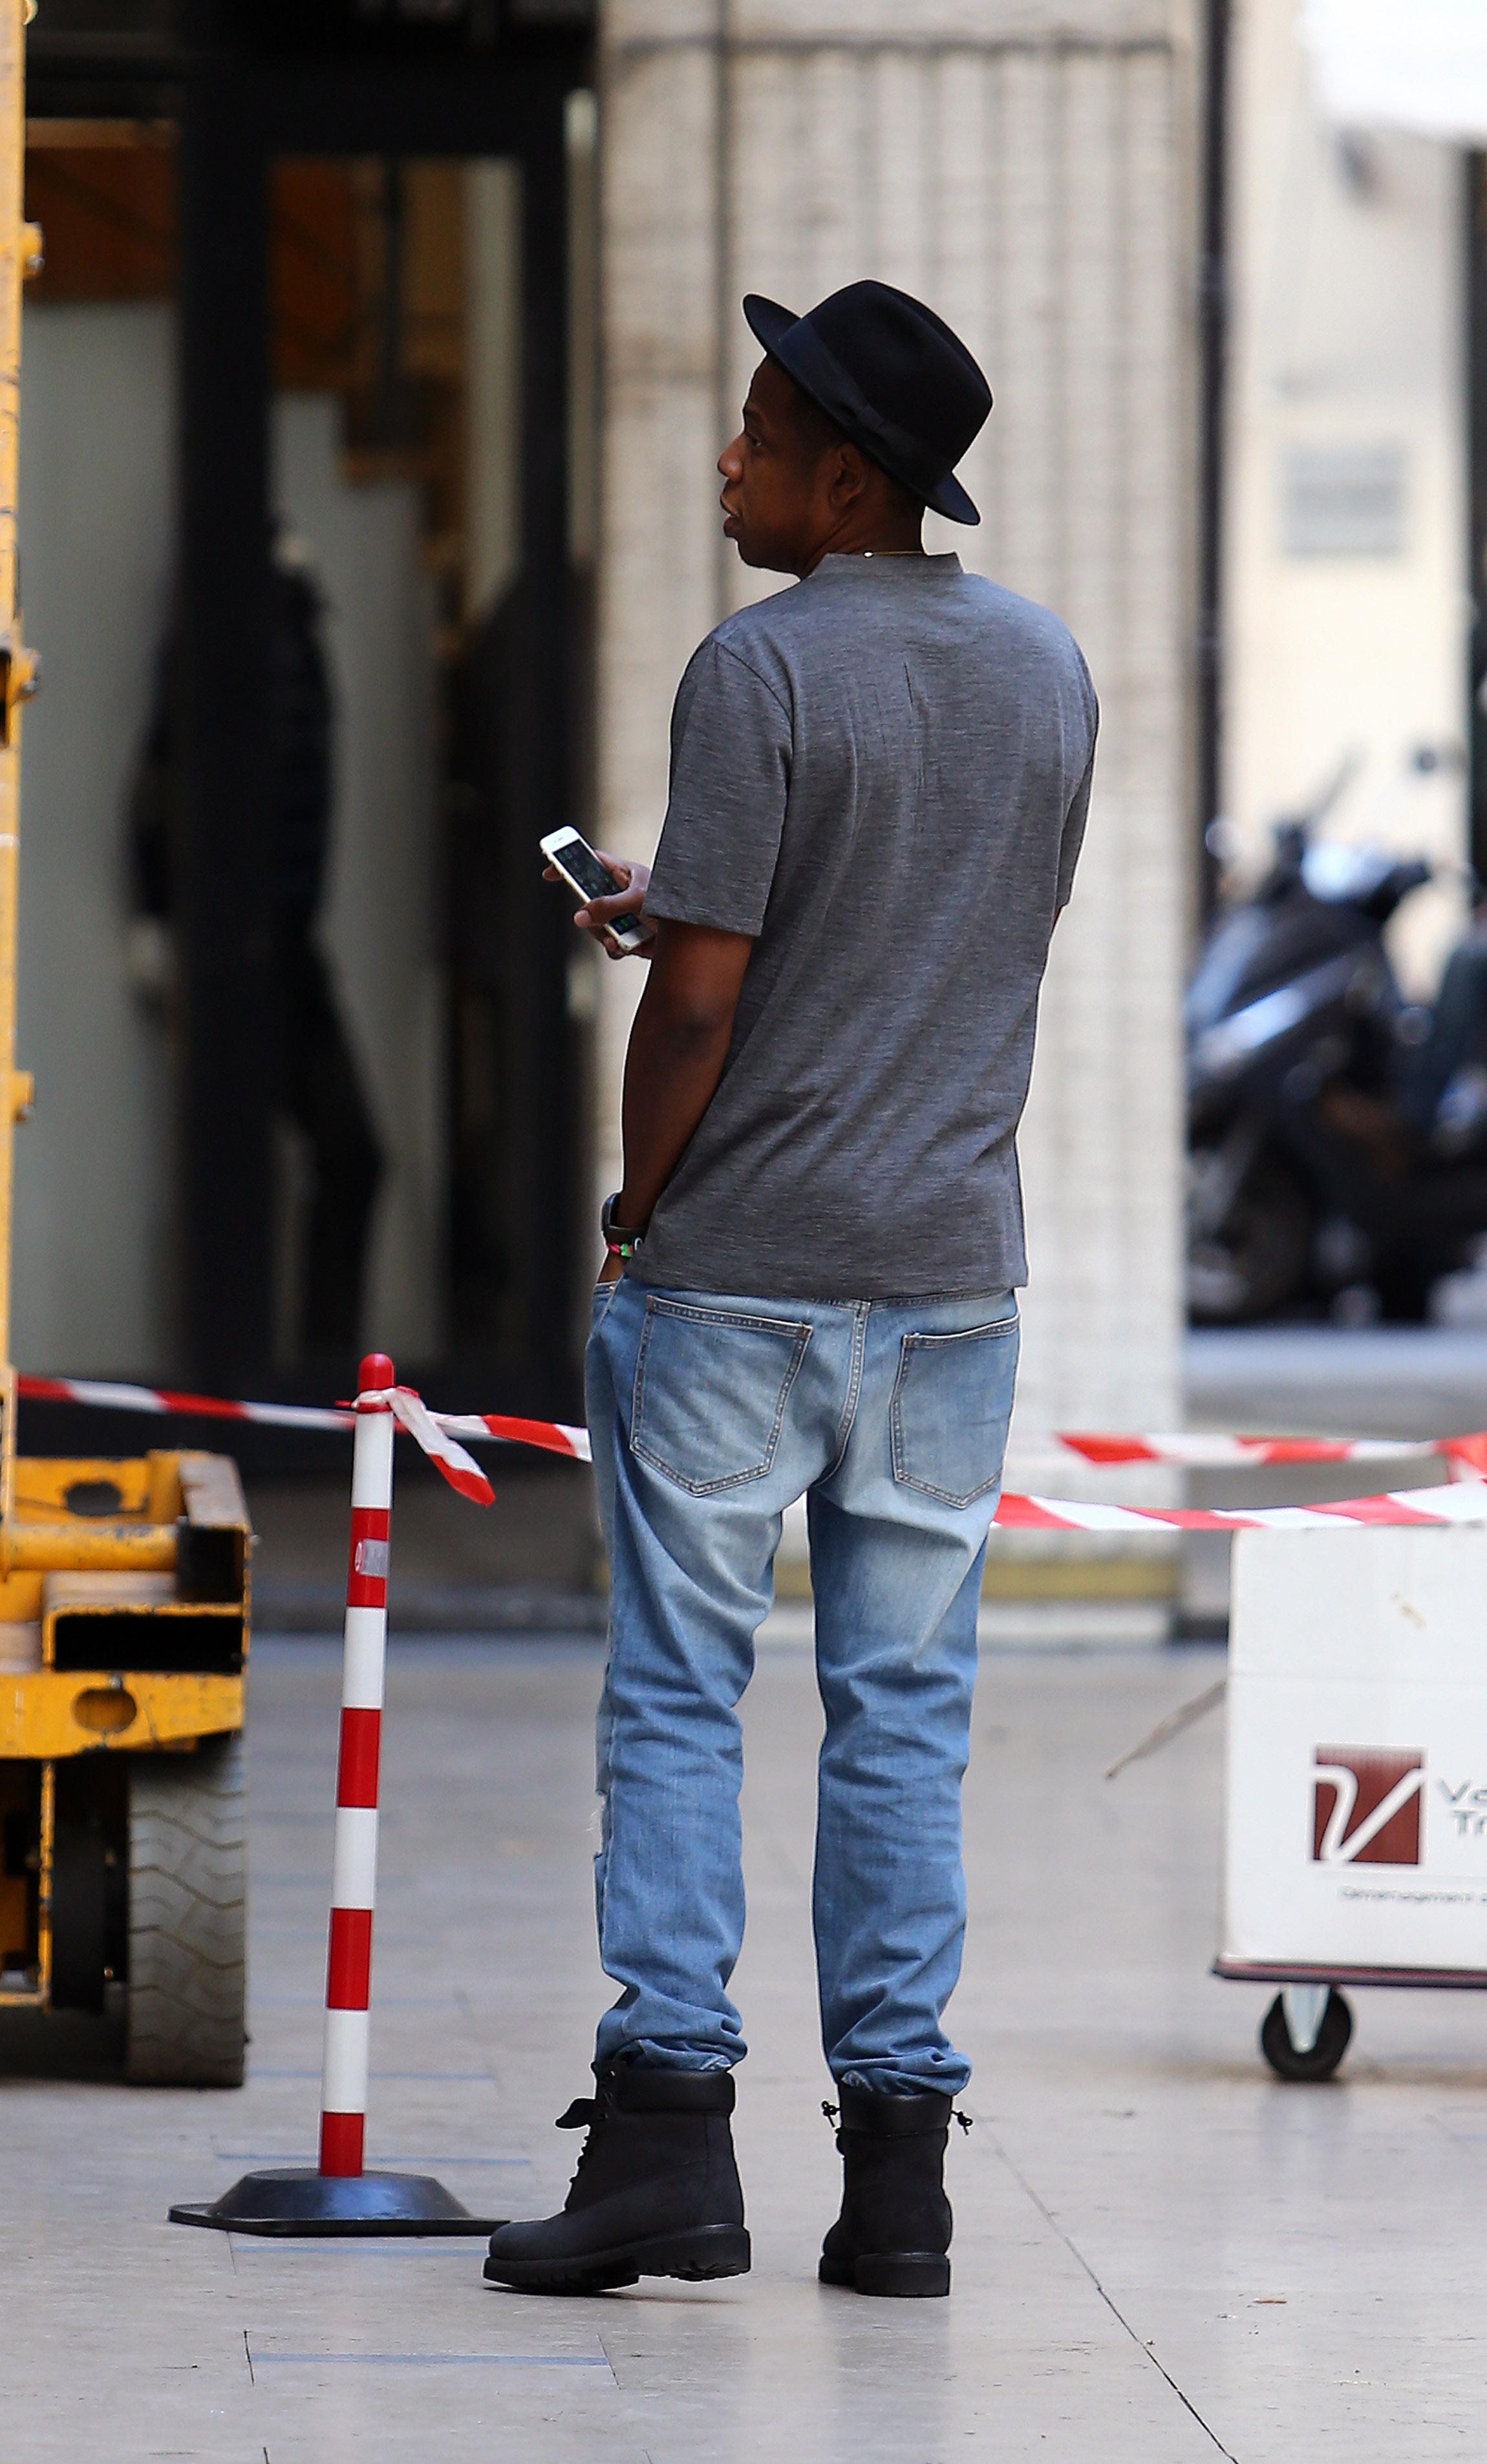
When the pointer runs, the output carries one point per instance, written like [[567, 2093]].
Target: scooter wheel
[[1324, 2056], [1255, 1261]]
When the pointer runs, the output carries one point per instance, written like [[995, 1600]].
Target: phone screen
[[578, 859]]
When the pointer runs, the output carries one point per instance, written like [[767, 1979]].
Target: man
[[877, 792]]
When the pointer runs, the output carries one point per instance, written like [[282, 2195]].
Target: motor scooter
[[1334, 1143]]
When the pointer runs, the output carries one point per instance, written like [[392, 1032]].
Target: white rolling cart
[[1356, 1783]]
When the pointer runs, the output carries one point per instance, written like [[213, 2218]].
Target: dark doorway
[[320, 162]]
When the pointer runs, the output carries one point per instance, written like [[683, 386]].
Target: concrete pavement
[[1161, 2254]]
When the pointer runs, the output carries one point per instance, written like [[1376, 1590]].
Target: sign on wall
[[1344, 499]]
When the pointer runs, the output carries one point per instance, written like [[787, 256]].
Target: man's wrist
[[621, 1237]]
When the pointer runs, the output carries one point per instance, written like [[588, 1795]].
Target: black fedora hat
[[891, 373]]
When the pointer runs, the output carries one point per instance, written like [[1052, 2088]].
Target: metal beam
[[222, 673]]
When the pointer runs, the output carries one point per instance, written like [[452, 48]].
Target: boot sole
[[697, 2257], [894, 2276]]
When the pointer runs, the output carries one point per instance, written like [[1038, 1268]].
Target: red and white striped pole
[[353, 1885], [340, 2196]]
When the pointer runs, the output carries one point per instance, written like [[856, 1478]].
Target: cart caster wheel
[[1293, 2057]]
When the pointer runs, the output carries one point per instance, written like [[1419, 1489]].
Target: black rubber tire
[[1332, 2039], [1259, 1257], [187, 1918]]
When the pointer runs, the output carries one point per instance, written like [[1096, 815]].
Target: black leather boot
[[656, 2192], [893, 2235]]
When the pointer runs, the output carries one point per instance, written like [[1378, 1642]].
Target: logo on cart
[[1365, 1806]]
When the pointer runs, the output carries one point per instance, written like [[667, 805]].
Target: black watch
[[621, 1239]]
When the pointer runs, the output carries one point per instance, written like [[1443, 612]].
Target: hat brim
[[775, 327]]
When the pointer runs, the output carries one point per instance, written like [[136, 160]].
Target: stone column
[[1027, 169]]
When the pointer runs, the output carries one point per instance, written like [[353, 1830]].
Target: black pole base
[[295, 2200]]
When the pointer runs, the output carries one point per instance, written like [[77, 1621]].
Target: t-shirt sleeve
[[730, 775], [1072, 837]]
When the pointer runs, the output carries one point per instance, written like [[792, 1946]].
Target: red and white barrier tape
[[1465, 1502], [439, 1434], [433, 1429], [411, 1413], [1207, 1450]]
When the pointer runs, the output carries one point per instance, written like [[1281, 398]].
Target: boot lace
[[581, 2115], [967, 2121]]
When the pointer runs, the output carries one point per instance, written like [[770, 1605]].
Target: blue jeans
[[709, 1416]]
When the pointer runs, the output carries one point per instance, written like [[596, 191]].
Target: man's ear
[[851, 476]]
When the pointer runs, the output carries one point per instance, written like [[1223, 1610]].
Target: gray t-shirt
[[882, 776]]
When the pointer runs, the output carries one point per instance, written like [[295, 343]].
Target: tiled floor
[[1162, 2255]]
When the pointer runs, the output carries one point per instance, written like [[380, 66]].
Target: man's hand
[[597, 914]]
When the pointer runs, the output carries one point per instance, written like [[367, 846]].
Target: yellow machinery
[[124, 1585]]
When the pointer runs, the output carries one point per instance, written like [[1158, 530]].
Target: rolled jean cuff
[[887, 2078]]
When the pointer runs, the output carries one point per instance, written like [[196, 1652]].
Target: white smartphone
[[588, 876]]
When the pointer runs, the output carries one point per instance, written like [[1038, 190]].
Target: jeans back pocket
[[952, 1402], [710, 1392]]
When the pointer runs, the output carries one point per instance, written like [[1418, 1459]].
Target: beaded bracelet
[[619, 1238]]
